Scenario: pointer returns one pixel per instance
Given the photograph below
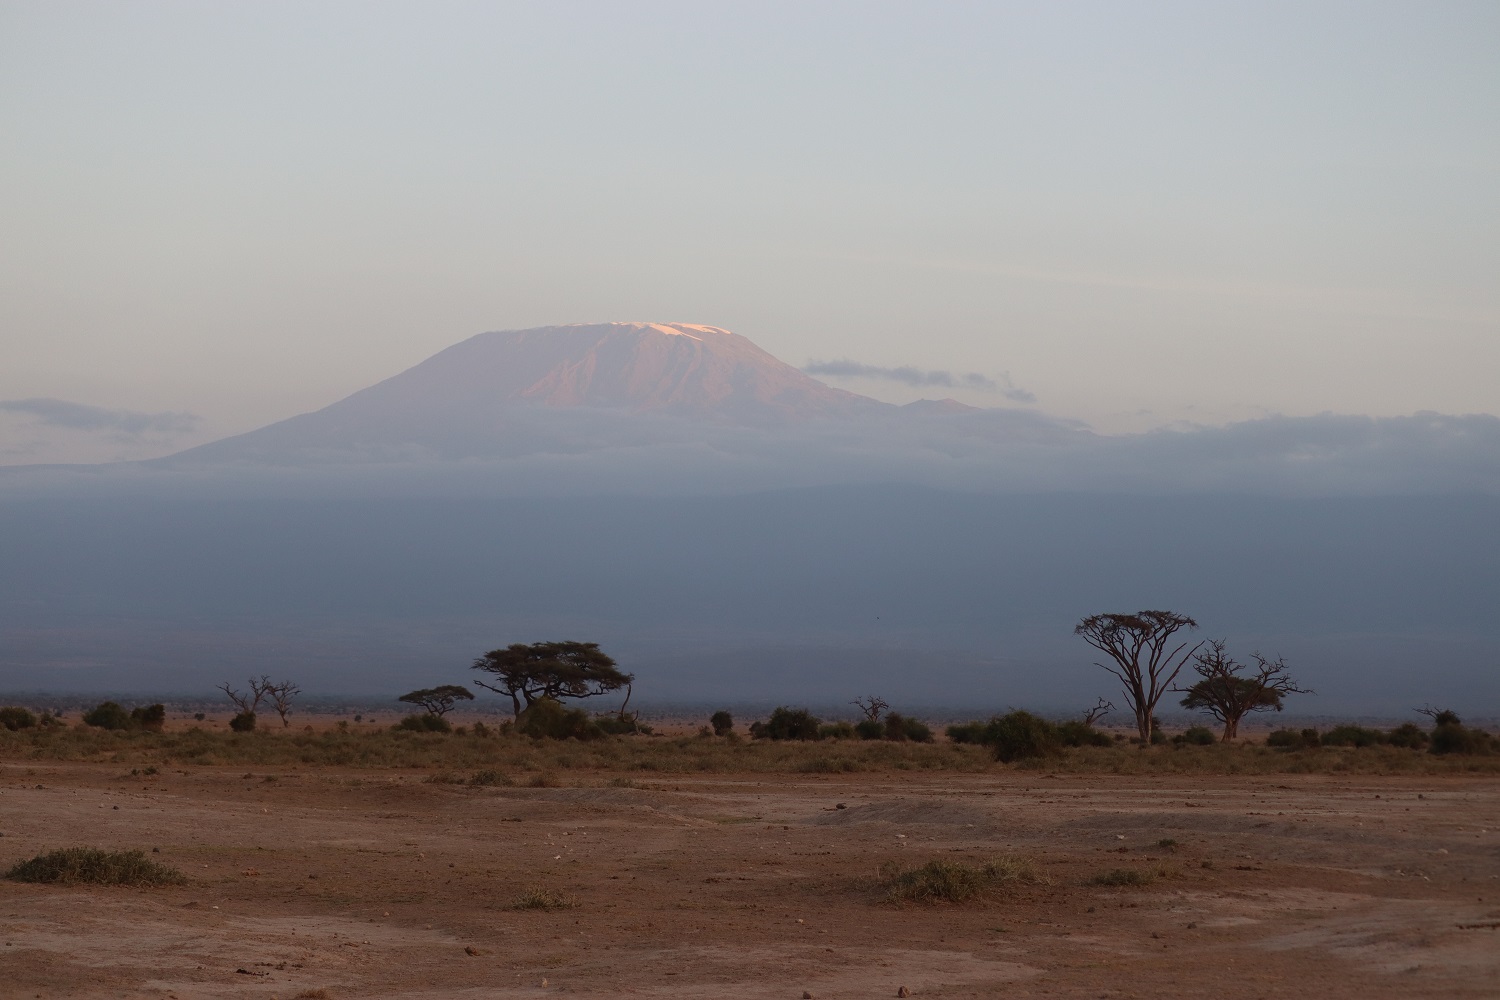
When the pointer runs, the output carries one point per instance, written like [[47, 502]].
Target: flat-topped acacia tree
[[438, 701], [555, 670], [1139, 646]]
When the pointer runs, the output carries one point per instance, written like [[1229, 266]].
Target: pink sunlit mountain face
[[568, 388]]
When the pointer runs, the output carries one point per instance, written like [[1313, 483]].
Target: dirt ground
[[381, 884]]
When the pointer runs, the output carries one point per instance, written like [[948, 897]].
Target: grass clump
[[91, 866], [488, 777], [1120, 877], [537, 898], [940, 881]]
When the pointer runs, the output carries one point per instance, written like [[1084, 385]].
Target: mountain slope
[[500, 393]]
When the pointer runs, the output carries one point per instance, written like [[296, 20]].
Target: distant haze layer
[[733, 529]]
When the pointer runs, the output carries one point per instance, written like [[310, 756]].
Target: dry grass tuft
[[1123, 877], [536, 898], [940, 881], [91, 866]]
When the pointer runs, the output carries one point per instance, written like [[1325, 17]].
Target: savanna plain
[[320, 863]]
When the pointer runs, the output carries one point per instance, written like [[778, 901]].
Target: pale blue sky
[[1141, 213]]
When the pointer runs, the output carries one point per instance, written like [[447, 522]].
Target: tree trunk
[[1231, 729]]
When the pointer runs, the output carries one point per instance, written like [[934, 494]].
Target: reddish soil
[[378, 884]]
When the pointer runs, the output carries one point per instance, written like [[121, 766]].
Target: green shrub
[[152, 718], [424, 722], [917, 732], [243, 723], [1294, 739], [547, 719], [1019, 735], [1352, 736], [107, 715], [1456, 738], [942, 881], [1198, 736], [870, 729], [1408, 734], [488, 777], [722, 723], [90, 866], [837, 731], [14, 717], [787, 724], [967, 732], [1075, 733]]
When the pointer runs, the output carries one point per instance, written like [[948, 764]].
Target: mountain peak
[[494, 392]]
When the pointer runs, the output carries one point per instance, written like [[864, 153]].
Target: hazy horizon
[[1135, 217]]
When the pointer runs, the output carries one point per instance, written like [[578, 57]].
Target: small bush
[[152, 718], [870, 729], [547, 719], [966, 732], [1020, 735], [243, 723], [1352, 736], [917, 732], [487, 777], [1080, 734], [542, 899], [837, 731], [90, 866], [1197, 736], [14, 717], [787, 724], [425, 722], [107, 715], [943, 881], [613, 725], [1292, 739], [722, 722], [1456, 738], [1409, 735], [1123, 877]]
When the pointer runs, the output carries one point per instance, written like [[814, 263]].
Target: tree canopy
[[1145, 660], [439, 700], [556, 670], [1227, 693]]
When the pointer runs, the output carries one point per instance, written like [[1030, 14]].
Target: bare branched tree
[[246, 704], [1439, 716], [1225, 691], [281, 699], [240, 701], [1145, 660], [1099, 711], [871, 706]]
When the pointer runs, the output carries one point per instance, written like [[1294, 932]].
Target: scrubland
[[197, 863]]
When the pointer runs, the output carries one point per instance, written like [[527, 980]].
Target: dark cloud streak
[[918, 378], [82, 417]]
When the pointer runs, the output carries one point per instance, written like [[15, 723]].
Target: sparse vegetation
[[14, 717], [536, 898], [425, 722], [107, 715], [90, 866], [787, 724], [942, 881], [1121, 877]]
